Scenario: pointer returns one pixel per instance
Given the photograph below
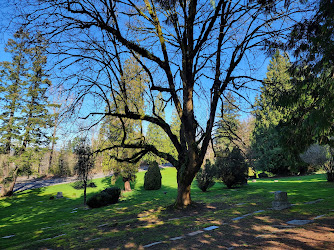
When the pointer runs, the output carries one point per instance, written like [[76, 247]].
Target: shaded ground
[[264, 231], [260, 233]]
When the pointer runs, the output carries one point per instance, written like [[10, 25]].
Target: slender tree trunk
[[52, 145], [85, 191], [8, 190]]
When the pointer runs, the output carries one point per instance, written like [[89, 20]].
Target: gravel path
[[23, 183]]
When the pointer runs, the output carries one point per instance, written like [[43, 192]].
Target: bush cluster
[[80, 185], [152, 179], [232, 168], [205, 176], [106, 197]]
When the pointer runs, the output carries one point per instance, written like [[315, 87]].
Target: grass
[[141, 216]]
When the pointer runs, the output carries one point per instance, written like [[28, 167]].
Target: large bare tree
[[191, 50]]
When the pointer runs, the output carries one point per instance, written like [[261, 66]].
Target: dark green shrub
[[152, 179], [104, 198], [263, 175], [80, 185], [114, 192], [232, 168], [205, 176]]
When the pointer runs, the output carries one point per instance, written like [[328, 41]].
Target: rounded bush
[[104, 198], [152, 179], [205, 176]]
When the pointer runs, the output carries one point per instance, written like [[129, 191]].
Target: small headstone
[[253, 180], [174, 219], [9, 236], [59, 195], [93, 239], [281, 201], [195, 233], [313, 202], [58, 236], [210, 228], [238, 218], [299, 222], [103, 225], [259, 211], [152, 244], [275, 180], [318, 217], [177, 238]]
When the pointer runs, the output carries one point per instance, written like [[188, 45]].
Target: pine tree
[[228, 123], [269, 152], [36, 117], [13, 81], [24, 119]]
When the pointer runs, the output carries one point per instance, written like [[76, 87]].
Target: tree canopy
[[192, 52]]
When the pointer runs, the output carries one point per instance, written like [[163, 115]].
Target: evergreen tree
[[269, 152], [228, 124], [13, 80], [36, 118], [116, 131], [312, 98], [24, 119], [155, 134]]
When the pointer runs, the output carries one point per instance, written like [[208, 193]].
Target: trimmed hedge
[[152, 179]]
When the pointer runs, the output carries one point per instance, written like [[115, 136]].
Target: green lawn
[[142, 217]]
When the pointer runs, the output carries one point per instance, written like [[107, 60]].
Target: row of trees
[[25, 117]]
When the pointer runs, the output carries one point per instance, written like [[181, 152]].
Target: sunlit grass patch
[[142, 217]]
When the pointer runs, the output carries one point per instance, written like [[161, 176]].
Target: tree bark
[[8, 190], [185, 176], [183, 198], [85, 191]]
